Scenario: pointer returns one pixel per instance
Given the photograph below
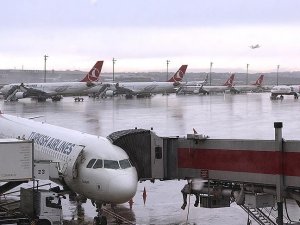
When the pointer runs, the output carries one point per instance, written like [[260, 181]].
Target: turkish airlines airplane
[[221, 88], [255, 87], [42, 91], [140, 89], [285, 90], [89, 165]]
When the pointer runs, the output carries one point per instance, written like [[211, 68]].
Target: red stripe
[[265, 162]]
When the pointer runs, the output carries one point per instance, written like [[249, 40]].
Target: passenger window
[[158, 152], [91, 163], [111, 164], [124, 163], [98, 164]]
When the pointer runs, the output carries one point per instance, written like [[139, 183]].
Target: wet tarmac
[[248, 116]]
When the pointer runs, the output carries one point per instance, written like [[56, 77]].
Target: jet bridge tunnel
[[256, 167], [196, 156]]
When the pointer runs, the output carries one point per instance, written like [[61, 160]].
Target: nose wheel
[[100, 219]]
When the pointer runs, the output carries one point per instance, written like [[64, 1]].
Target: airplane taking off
[[88, 165], [285, 90], [42, 91], [254, 46]]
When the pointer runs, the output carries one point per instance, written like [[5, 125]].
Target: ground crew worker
[[187, 189]]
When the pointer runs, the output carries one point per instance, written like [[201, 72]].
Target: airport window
[[124, 163], [98, 164], [91, 163], [111, 164], [158, 152]]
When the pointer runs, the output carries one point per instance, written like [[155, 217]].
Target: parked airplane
[[255, 87], [195, 83], [140, 89], [42, 91], [254, 46], [89, 165], [285, 90], [203, 89]]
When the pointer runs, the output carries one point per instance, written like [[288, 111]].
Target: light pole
[[211, 63], [277, 74], [114, 61], [45, 71], [168, 61], [247, 75]]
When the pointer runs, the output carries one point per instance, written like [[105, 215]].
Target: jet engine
[[20, 95], [109, 93]]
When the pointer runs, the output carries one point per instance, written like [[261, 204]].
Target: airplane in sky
[[254, 46], [281, 90], [42, 91], [140, 89], [90, 166], [206, 89]]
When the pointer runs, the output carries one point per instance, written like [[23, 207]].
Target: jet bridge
[[256, 166]]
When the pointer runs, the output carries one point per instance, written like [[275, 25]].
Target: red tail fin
[[229, 82], [259, 81], [94, 73], [179, 74]]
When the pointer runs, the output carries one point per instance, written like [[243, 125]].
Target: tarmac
[[224, 116]]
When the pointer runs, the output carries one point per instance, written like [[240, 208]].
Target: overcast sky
[[143, 34]]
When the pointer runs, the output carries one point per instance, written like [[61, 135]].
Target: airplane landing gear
[[100, 219]]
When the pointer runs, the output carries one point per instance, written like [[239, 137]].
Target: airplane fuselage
[[90, 165]]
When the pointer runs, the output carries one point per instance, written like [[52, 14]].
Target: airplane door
[[157, 157], [71, 169]]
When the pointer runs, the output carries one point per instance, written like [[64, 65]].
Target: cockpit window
[[111, 164], [91, 163], [98, 164], [124, 163]]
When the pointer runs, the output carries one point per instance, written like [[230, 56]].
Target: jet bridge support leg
[[279, 183]]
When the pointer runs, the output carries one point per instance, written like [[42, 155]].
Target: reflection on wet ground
[[249, 116]]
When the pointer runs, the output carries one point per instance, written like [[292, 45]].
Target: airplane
[[140, 89], [203, 89], [285, 90], [254, 87], [42, 91], [196, 83], [89, 165], [254, 46]]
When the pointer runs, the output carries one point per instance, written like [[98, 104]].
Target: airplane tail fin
[[179, 74], [229, 81], [259, 81], [94, 73]]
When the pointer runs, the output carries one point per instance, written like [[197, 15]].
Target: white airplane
[[254, 46], [196, 89], [255, 87], [220, 88], [195, 83], [42, 91], [141, 89], [89, 165], [285, 90]]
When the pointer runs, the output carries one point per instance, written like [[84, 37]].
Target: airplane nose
[[123, 187]]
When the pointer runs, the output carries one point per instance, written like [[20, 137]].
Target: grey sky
[[142, 34]]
